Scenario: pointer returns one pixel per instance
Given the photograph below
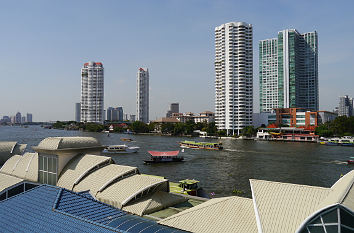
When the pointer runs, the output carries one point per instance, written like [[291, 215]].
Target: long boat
[[201, 145], [121, 149], [164, 157]]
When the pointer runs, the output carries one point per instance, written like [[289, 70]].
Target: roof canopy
[[164, 153]]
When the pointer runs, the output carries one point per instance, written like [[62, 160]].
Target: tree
[[139, 127], [249, 131]]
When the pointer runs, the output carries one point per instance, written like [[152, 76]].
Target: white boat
[[121, 149]]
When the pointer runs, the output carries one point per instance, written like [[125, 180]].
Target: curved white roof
[[153, 202], [7, 181], [25, 166], [77, 168], [60, 143], [123, 191], [281, 207], [7, 149], [227, 214], [99, 179]]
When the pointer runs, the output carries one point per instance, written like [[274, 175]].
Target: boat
[[332, 143], [350, 160], [126, 139], [187, 187], [201, 145], [164, 157], [121, 149]]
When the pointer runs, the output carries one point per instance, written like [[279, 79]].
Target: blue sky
[[43, 45]]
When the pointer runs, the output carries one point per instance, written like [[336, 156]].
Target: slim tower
[[234, 76], [288, 71], [92, 92], [142, 97]]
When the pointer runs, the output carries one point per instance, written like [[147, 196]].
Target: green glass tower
[[288, 71]]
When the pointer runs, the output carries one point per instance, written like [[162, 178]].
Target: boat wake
[[231, 150], [337, 162]]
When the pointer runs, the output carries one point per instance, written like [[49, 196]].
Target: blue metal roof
[[51, 209]]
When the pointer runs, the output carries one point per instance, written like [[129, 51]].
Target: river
[[220, 172]]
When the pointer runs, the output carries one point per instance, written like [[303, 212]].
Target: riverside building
[[288, 71], [142, 97], [345, 106], [92, 92], [234, 76]]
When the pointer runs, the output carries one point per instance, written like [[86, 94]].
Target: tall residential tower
[[142, 96], [234, 76], [92, 92], [288, 71], [345, 106]]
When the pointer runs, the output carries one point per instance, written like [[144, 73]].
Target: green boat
[[201, 145], [187, 187]]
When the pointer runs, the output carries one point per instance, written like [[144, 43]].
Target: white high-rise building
[[234, 76], [92, 92], [142, 97]]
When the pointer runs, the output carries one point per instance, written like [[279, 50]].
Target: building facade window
[[48, 169]]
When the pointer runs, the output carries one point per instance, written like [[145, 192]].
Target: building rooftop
[[51, 209]]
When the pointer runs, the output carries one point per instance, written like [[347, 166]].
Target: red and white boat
[[350, 160], [164, 157]]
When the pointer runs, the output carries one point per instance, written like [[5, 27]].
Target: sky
[[43, 45]]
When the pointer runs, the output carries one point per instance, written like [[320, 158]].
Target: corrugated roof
[[51, 209], [59, 143], [341, 191], [281, 207], [25, 166], [7, 149], [228, 214], [7, 181], [123, 191], [78, 168], [154, 202], [10, 165], [103, 177]]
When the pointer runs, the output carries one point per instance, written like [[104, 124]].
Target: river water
[[220, 172]]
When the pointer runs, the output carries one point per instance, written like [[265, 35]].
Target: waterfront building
[[18, 118], [234, 77], [300, 117], [13, 119], [23, 119], [174, 108], [288, 71], [77, 112], [115, 114], [92, 92], [345, 106], [132, 118], [6, 119], [29, 118], [263, 119], [142, 97]]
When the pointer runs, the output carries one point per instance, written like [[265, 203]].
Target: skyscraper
[[288, 71], [29, 117], [77, 112], [234, 76], [345, 106], [174, 108], [18, 118], [142, 97], [92, 92]]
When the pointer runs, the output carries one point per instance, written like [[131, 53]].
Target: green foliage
[[221, 133], [341, 126], [249, 131], [59, 125], [93, 127], [139, 127]]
